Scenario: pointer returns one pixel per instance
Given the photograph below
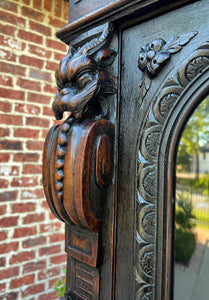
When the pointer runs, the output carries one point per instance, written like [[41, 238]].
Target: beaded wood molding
[[78, 158]]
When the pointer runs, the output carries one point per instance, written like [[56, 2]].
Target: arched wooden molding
[[166, 116]]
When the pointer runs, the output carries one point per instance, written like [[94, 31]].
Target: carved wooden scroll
[[163, 114], [78, 159]]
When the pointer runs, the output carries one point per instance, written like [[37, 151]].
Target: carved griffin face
[[82, 76], [152, 57]]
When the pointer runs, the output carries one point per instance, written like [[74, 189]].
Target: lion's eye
[[83, 79]]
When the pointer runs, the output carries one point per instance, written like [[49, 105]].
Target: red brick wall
[[31, 239]]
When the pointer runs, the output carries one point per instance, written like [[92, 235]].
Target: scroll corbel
[[78, 158]]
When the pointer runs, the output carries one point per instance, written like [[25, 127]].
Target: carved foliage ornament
[[147, 198], [153, 56]]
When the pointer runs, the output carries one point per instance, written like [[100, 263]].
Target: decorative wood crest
[[148, 181], [78, 154], [153, 56]]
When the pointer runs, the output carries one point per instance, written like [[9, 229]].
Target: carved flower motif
[[147, 263], [152, 57], [152, 142]]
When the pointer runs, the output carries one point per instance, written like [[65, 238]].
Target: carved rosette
[[78, 157], [147, 181]]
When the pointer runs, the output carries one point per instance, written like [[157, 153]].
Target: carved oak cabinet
[[134, 73]]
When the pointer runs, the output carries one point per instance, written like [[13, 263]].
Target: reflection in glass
[[191, 252]]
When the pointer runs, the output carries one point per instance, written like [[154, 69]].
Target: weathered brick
[[48, 5], [33, 218], [38, 4], [3, 235], [29, 194], [33, 145], [14, 44], [10, 145], [4, 157], [52, 66], [57, 23], [8, 170], [58, 259], [26, 157], [32, 97], [43, 29], [26, 133], [24, 231], [24, 181], [4, 131], [34, 266], [7, 55], [8, 5], [58, 56], [23, 207], [48, 295], [47, 111], [53, 226], [50, 250], [8, 247], [12, 19], [3, 183], [8, 222], [2, 288], [39, 51], [58, 8], [41, 75], [11, 119], [32, 169], [5, 106], [29, 84], [56, 237], [55, 44], [66, 10], [6, 80], [11, 69], [9, 296], [2, 261], [33, 14], [49, 273], [7, 29], [32, 242], [19, 282], [12, 94], [21, 257], [37, 122], [31, 37], [3, 209], [31, 61], [27, 109], [34, 289], [8, 196], [48, 88]]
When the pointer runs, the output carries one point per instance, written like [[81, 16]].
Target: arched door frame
[[157, 147]]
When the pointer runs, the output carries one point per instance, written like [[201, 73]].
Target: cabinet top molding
[[87, 14]]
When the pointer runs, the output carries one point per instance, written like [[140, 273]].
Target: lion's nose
[[150, 55]]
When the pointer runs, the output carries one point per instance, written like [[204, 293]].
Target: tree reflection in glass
[[191, 252]]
